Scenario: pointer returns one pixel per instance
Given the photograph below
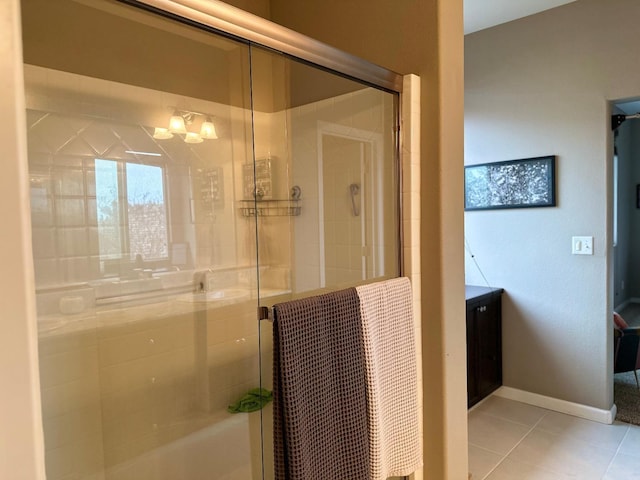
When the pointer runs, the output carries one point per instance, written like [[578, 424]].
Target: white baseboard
[[557, 405]]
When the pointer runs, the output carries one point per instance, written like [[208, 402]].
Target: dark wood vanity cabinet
[[484, 342]]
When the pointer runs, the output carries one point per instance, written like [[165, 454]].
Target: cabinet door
[[472, 363], [489, 345]]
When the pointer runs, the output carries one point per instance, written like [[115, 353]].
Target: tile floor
[[514, 441]]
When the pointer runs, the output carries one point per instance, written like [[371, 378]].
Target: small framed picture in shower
[[524, 183]]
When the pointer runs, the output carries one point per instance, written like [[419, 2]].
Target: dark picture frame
[[523, 183], [638, 196]]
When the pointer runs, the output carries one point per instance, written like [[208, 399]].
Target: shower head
[[354, 189]]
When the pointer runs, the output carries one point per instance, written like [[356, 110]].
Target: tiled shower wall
[[67, 133], [62, 153], [63, 148]]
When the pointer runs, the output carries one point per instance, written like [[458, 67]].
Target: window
[[131, 210]]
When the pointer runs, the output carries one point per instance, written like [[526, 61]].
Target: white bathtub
[[226, 450]]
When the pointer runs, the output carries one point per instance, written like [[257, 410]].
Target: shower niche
[[154, 243]]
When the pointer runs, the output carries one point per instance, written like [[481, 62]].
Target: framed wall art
[[525, 183]]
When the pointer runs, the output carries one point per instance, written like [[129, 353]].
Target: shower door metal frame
[[246, 27]]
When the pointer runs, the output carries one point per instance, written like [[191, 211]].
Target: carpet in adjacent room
[[626, 396]]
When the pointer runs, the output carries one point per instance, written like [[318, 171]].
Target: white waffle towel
[[391, 371]]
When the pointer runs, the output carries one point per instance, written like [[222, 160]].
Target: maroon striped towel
[[319, 389]]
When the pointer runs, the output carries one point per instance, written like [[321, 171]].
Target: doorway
[[626, 259], [349, 171]]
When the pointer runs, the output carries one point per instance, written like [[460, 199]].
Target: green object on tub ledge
[[255, 399]]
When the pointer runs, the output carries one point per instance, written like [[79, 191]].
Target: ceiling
[[629, 108], [481, 14]]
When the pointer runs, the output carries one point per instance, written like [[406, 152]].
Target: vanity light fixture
[[179, 122]]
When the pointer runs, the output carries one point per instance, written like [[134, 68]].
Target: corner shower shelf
[[270, 208]]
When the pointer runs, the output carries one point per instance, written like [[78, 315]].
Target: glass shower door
[[326, 197], [178, 180], [140, 154]]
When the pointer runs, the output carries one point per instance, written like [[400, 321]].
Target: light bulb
[[192, 137], [176, 123], [208, 129]]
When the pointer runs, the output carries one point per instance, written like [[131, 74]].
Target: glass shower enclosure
[[179, 179]]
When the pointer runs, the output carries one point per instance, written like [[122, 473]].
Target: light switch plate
[[582, 245]]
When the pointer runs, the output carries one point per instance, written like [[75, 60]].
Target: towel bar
[[265, 313]]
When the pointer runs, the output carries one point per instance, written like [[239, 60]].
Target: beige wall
[[145, 45], [541, 86], [21, 441], [424, 38]]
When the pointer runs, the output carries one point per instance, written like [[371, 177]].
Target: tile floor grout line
[[616, 452], [545, 412], [499, 417], [513, 448]]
